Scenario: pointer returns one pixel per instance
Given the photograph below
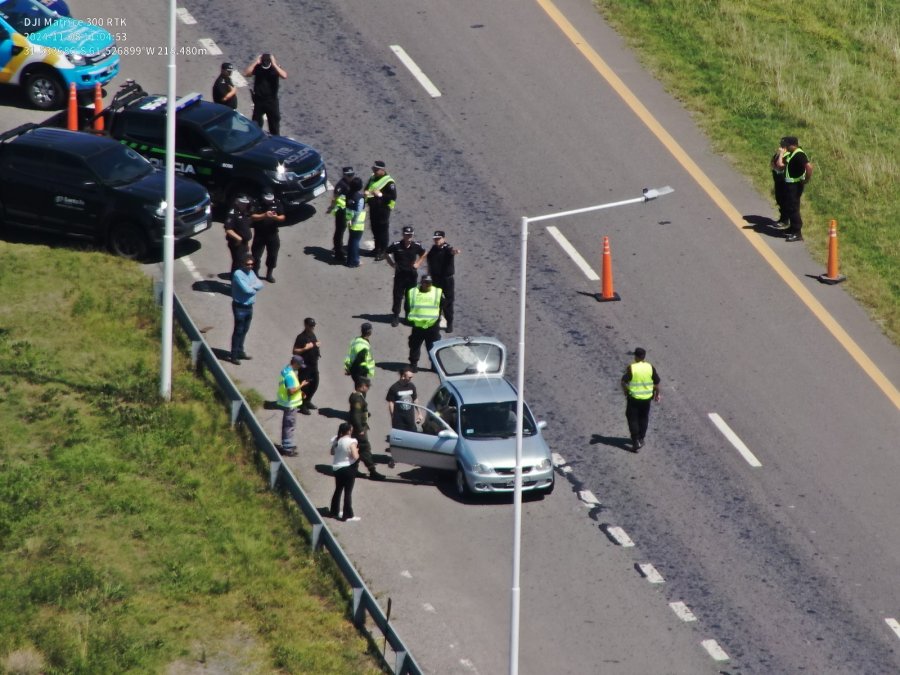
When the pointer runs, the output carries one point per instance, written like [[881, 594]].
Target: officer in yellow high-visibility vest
[[381, 195], [425, 317], [359, 362], [290, 397], [641, 385], [798, 171]]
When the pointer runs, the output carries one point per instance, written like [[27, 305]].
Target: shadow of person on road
[[334, 413], [764, 225], [211, 286], [620, 442]]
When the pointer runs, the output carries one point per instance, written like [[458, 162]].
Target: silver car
[[469, 424]]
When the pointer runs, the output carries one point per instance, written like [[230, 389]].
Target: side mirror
[[447, 433], [541, 425]]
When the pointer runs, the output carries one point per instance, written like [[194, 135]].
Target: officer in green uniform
[[641, 385], [359, 420]]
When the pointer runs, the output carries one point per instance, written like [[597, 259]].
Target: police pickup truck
[[218, 147], [75, 184]]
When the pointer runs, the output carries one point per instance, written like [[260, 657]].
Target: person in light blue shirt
[[244, 287]]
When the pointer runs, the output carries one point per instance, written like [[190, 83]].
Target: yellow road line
[[694, 170]]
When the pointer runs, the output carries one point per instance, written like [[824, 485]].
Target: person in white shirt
[[346, 457]]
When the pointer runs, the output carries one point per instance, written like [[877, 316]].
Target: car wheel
[[128, 241], [462, 487], [44, 90]]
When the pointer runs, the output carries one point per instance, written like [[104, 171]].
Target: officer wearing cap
[[359, 362], [640, 382], [441, 267], [797, 173], [269, 215], [338, 207], [307, 345], [266, 76], [290, 398], [238, 232], [381, 195], [223, 90], [405, 256], [425, 317]]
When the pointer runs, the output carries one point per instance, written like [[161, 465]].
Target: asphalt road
[[789, 566]]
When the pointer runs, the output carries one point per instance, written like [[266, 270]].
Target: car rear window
[[471, 359]]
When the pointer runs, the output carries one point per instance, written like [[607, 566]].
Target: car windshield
[[27, 16], [119, 165], [233, 132], [493, 420]]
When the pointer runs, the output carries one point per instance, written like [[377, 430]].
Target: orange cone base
[[615, 297], [825, 279]]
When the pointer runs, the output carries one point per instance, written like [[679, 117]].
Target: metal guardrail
[[365, 605]]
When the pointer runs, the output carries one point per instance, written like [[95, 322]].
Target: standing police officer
[[441, 267], [381, 194], [266, 76], [269, 215], [359, 362], [338, 207], [238, 232], [797, 172], [359, 420], [224, 91], [405, 256], [425, 317], [640, 384]]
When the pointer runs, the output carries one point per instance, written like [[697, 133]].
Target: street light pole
[[647, 195], [168, 302]]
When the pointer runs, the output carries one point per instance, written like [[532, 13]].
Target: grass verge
[[137, 536], [753, 71]]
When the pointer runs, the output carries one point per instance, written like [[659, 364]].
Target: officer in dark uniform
[[797, 173], [266, 76], [238, 232], [269, 215], [405, 256], [223, 90], [381, 195], [441, 268], [339, 208], [307, 345]]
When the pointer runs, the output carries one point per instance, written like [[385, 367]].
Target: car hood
[[152, 188], [501, 452], [72, 36], [275, 150]]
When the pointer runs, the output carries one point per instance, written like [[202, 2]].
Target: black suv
[[218, 147], [78, 184]]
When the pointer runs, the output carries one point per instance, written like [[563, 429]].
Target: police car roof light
[[189, 99]]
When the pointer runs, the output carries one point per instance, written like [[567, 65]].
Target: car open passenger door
[[429, 442]]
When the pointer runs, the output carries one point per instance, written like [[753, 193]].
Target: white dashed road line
[[619, 535], [212, 49], [714, 650], [192, 268], [573, 254], [416, 72], [588, 498], [649, 572], [894, 626], [185, 16], [682, 611], [734, 440]]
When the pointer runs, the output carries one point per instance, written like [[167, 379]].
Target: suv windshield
[[493, 420], [27, 16], [119, 165], [233, 132]]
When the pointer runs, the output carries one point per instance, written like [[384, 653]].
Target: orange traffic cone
[[72, 121], [607, 294], [98, 107], [832, 276]]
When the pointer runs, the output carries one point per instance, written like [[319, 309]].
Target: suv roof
[[47, 137], [193, 110]]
